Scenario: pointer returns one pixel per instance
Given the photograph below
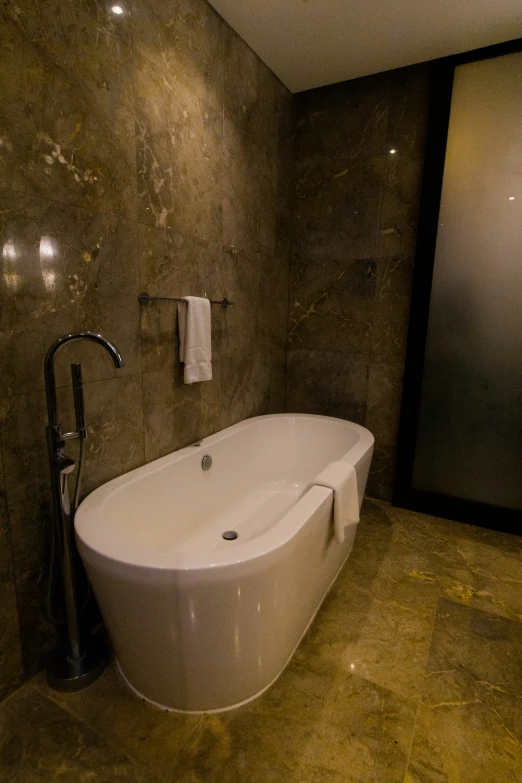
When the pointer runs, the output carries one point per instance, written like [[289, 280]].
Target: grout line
[[420, 703], [105, 738], [41, 389]]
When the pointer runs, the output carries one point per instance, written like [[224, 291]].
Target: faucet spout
[[50, 380], [83, 662]]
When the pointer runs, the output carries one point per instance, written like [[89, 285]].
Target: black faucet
[[84, 661]]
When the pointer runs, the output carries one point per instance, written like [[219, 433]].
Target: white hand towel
[[195, 339], [342, 478]]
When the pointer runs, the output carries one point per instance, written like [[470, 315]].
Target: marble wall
[[355, 214], [146, 151]]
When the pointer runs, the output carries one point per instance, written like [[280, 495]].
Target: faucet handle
[[66, 466]]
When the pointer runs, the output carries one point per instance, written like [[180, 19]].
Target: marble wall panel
[[354, 231], [10, 651], [135, 150], [64, 269], [331, 304], [80, 146], [329, 383]]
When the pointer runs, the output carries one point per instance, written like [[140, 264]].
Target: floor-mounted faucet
[[84, 659]]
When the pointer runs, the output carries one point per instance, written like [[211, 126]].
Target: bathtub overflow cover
[[206, 462], [230, 535]]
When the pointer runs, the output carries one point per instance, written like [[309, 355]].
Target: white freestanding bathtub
[[200, 623]]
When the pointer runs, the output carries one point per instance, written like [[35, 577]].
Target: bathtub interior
[[258, 473]]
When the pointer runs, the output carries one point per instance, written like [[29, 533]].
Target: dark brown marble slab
[[328, 383], [132, 146], [11, 671]]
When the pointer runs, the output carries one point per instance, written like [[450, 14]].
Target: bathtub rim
[[87, 520]]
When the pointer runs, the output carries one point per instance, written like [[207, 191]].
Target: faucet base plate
[[66, 675]]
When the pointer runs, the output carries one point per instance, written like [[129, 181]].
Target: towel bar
[[144, 298]]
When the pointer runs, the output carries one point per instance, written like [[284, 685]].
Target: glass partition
[[469, 434]]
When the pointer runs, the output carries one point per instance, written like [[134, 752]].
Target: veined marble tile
[[398, 564], [331, 304], [64, 269], [150, 736], [382, 470], [196, 139], [246, 351], [249, 193], [475, 666], [377, 639], [406, 133], [153, 149], [175, 414], [327, 382], [350, 116], [251, 94], [461, 750], [483, 569], [40, 742], [23, 74], [337, 208], [114, 416], [10, 651], [384, 398], [174, 264], [469, 727], [392, 306], [82, 150], [309, 727]]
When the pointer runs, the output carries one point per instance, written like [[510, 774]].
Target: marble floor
[[411, 673]]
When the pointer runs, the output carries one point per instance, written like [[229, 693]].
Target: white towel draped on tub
[[342, 478], [195, 339]]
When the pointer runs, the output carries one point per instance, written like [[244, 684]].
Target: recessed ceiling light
[[392, 152], [117, 9]]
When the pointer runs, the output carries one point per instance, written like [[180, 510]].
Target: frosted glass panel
[[469, 440]]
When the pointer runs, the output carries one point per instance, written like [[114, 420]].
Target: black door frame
[[404, 494]]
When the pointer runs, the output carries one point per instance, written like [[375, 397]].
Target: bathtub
[[200, 623]]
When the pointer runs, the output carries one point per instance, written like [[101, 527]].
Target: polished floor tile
[[484, 569], [449, 749], [398, 558], [41, 743], [151, 736], [309, 727], [469, 727], [403, 677], [383, 643]]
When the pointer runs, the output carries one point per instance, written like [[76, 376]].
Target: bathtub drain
[[229, 535]]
